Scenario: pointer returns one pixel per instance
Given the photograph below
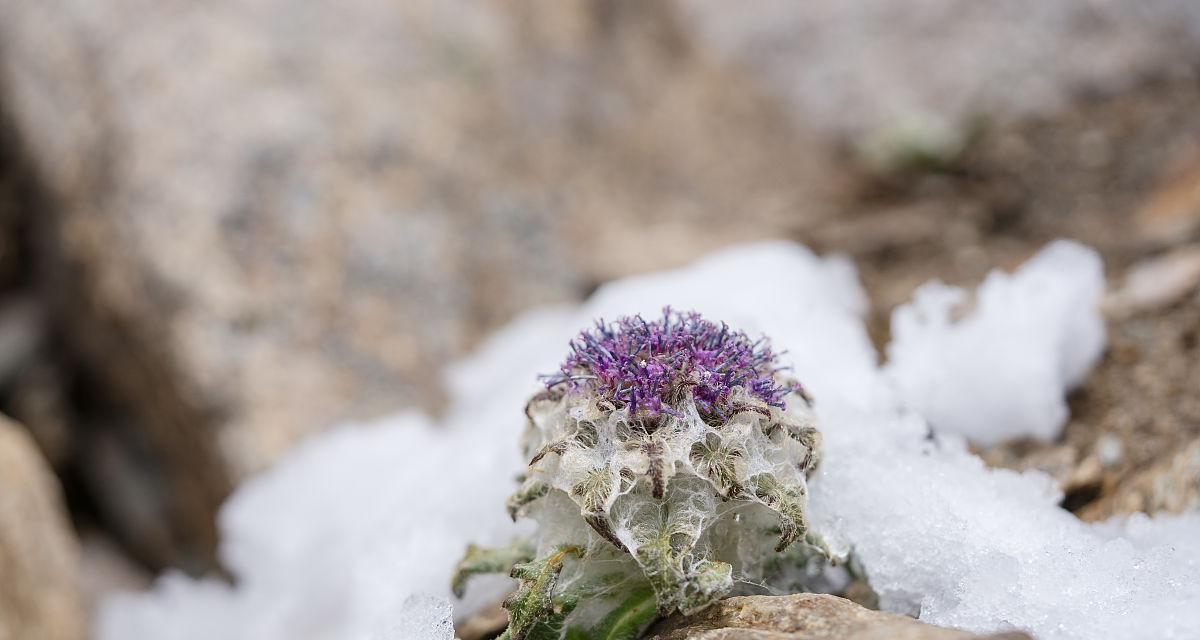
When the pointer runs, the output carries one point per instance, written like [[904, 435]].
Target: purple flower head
[[651, 365]]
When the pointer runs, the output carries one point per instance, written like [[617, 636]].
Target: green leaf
[[529, 491], [682, 580], [534, 613], [551, 627], [719, 463], [574, 633], [628, 620], [788, 504], [480, 560]]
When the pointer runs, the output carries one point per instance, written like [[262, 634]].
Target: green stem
[[629, 619]]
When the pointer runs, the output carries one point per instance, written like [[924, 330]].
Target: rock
[[30, 382], [14, 200], [262, 227], [20, 336], [105, 570], [1171, 214], [485, 624], [914, 78], [1157, 282], [805, 616], [39, 556], [1172, 486], [38, 398], [268, 218], [1074, 472]]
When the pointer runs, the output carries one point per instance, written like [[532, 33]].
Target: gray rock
[[805, 616], [915, 76], [270, 217], [260, 227], [39, 555]]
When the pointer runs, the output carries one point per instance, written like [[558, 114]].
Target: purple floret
[[649, 366]]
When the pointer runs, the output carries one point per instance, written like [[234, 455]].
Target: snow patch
[[1002, 370], [356, 533]]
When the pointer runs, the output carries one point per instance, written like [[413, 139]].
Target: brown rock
[[1172, 212], [1172, 486], [486, 624], [39, 588], [1157, 282], [805, 616]]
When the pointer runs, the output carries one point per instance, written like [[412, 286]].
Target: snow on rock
[[355, 535], [1002, 370]]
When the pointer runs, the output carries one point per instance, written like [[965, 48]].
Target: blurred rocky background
[[227, 225]]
